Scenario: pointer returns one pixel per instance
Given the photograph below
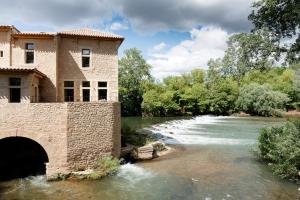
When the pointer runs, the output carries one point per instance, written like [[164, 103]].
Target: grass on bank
[[105, 166]]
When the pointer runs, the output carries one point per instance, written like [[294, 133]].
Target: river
[[212, 160]]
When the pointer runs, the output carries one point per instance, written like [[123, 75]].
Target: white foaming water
[[192, 132], [133, 173], [38, 181]]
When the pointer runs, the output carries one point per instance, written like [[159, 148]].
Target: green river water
[[211, 160]]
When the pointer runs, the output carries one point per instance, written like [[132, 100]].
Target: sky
[[175, 36]]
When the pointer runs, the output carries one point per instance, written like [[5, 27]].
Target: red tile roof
[[84, 32], [90, 33], [22, 69]]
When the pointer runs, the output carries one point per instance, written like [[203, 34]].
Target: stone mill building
[[58, 100]]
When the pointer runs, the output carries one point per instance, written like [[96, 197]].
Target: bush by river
[[280, 147]]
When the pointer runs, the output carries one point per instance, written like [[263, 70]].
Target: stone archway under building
[[21, 157]]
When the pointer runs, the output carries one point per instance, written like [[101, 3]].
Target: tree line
[[247, 78]]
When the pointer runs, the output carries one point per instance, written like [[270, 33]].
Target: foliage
[[282, 19], [176, 95], [133, 72], [131, 136], [245, 52], [105, 166], [280, 147], [279, 79], [261, 100], [222, 96]]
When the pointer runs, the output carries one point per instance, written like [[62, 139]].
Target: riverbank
[[211, 160]]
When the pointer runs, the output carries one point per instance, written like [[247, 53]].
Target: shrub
[[105, 166], [261, 100], [133, 137], [280, 147]]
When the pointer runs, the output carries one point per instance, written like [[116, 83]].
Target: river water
[[211, 160]]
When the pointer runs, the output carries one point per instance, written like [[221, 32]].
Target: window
[[29, 53], [86, 57], [14, 90], [102, 91], [85, 91], [69, 91], [1, 54]]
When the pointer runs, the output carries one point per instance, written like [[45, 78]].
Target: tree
[[282, 18], [279, 79], [261, 100], [222, 96], [214, 70], [133, 72], [246, 52]]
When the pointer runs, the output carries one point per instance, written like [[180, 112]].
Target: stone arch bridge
[[66, 136]]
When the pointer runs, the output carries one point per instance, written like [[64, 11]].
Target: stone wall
[[44, 61], [5, 47], [104, 66], [44, 123], [93, 132], [26, 80], [73, 134]]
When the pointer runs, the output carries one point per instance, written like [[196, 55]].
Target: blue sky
[[174, 36]]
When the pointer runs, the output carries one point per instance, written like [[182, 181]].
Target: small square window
[[86, 52], [86, 95], [85, 61], [85, 84], [15, 81], [1, 54], [69, 95], [29, 57], [69, 84], [102, 84], [29, 46], [102, 94]]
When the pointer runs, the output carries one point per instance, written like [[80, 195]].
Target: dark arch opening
[[21, 157]]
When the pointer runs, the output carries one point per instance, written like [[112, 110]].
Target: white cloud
[[116, 26], [144, 15], [206, 43], [159, 47]]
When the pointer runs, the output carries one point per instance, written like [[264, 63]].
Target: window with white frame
[[29, 53], [86, 91], [14, 90], [86, 58], [1, 54], [102, 91], [69, 91]]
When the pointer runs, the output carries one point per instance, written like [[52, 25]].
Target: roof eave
[[65, 35]]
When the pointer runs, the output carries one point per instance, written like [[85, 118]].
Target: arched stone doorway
[[21, 157]]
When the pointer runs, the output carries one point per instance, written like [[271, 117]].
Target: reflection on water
[[212, 161]]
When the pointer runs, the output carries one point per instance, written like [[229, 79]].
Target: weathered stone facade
[[74, 134]]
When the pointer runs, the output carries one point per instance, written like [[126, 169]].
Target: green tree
[[282, 18], [133, 73], [214, 70], [222, 96], [279, 79], [247, 52], [261, 100]]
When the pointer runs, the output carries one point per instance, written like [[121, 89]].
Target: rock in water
[[143, 153]]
